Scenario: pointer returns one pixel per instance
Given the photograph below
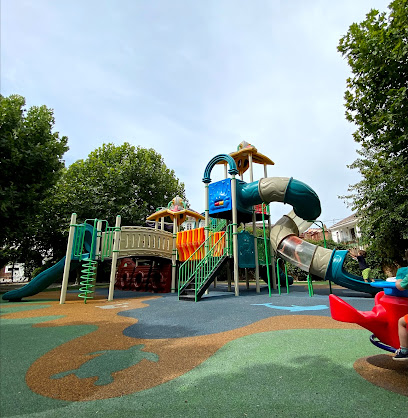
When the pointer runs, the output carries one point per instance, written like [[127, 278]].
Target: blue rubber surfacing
[[220, 311]]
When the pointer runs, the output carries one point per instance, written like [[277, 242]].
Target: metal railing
[[201, 269]]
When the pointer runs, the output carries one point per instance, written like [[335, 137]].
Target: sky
[[192, 79]]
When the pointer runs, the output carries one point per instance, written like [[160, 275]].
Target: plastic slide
[[319, 261], [41, 281]]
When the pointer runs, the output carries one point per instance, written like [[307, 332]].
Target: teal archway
[[217, 159]]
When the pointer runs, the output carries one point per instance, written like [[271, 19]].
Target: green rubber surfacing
[[279, 373]]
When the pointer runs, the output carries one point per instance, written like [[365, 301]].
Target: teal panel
[[246, 251]]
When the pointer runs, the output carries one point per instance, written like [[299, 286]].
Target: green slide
[[41, 281]]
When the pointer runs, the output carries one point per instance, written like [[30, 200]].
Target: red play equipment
[[382, 320], [143, 278]]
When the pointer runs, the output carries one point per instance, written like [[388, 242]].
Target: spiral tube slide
[[285, 240]]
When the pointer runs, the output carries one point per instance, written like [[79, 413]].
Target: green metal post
[[266, 250], [278, 278]]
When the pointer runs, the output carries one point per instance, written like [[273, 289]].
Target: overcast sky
[[192, 79]]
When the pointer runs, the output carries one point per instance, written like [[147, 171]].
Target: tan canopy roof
[[180, 215], [241, 157]]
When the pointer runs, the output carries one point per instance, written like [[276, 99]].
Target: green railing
[[79, 238], [220, 225], [200, 270], [107, 242]]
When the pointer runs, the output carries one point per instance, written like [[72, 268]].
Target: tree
[[30, 164], [114, 180], [376, 100]]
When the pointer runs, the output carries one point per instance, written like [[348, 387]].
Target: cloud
[[192, 80]]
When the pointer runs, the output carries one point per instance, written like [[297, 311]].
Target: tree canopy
[[376, 101], [30, 164], [114, 180], [38, 194]]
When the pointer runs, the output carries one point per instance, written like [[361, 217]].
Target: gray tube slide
[[285, 240]]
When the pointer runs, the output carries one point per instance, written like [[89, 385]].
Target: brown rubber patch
[[383, 371], [161, 360]]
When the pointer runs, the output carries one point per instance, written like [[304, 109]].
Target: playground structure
[[153, 276], [234, 200], [94, 240], [202, 252]]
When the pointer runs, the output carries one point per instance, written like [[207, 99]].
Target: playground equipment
[[153, 276], [88, 244], [390, 305], [84, 249], [177, 211], [203, 252], [223, 201], [234, 200]]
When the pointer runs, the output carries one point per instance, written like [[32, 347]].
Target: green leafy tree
[[114, 180], [377, 103], [30, 164]]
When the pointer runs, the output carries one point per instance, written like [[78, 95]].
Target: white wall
[[344, 233], [18, 272]]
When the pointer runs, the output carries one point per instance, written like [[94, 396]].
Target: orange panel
[[187, 245], [190, 244], [200, 240], [179, 239]]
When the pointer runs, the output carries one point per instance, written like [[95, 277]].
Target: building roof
[[352, 219]]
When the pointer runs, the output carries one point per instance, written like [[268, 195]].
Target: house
[[346, 230], [316, 234], [191, 223], [12, 273]]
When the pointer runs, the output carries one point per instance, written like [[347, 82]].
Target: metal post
[[274, 280], [251, 179], [207, 214], [98, 251], [226, 229], [229, 237], [174, 257], [115, 252], [68, 255], [278, 274], [234, 232], [325, 245]]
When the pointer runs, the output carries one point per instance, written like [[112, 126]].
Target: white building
[[12, 273], [346, 230], [191, 223]]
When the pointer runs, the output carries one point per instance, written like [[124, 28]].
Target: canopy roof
[[241, 157], [180, 215], [175, 209]]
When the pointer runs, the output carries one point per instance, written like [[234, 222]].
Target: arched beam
[[217, 159]]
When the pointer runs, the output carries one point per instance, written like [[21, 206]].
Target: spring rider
[[390, 305]]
